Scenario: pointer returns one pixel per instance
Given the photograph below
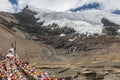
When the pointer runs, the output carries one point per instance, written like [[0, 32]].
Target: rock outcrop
[[110, 28]]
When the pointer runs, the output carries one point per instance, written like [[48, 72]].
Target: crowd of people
[[12, 68]]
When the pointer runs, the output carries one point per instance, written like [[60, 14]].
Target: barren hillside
[[48, 49]]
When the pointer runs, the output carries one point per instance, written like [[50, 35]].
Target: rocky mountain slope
[[60, 48]]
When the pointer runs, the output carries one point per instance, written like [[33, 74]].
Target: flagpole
[[15, 49]]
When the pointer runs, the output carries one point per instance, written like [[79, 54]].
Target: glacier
[[84, 22]]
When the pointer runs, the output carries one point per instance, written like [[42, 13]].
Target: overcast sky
[[56, 5]]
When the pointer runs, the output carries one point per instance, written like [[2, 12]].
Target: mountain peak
[[106, 22]]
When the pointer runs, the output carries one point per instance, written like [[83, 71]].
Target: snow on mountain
[[83, 22]]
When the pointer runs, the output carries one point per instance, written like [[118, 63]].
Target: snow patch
[[71, 40], [62, 35]]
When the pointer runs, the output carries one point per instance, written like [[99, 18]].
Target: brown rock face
[[110, 28]]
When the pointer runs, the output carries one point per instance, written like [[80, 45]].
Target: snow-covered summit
[[83, 22]]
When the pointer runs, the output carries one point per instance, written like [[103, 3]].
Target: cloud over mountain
[[58, 5], [5, 5], [55, 5]]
